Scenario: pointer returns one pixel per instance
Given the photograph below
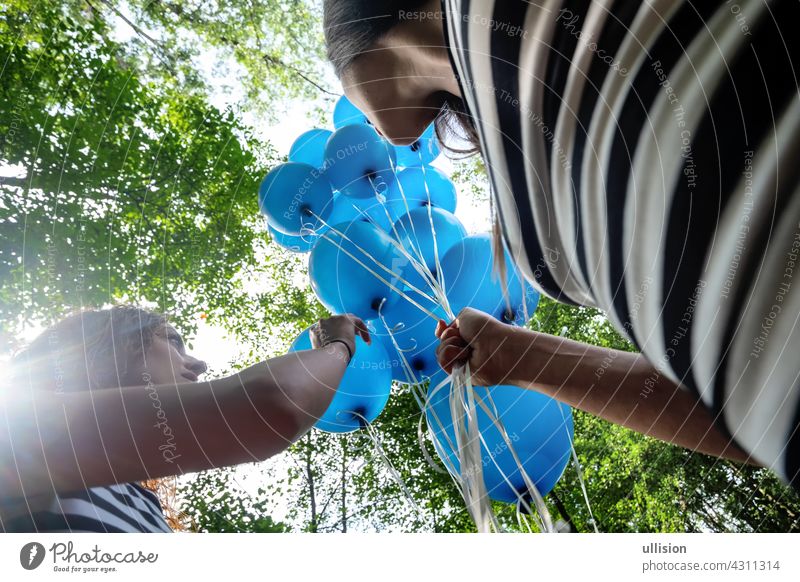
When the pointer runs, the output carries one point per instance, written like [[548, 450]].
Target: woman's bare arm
[[621, 387], [51, 442]]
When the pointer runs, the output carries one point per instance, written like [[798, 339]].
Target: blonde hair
[[166, 489], [92, 349]]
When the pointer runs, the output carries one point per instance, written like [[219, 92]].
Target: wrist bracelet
[[344, 343]]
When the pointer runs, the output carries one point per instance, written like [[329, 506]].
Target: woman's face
[[404, 79], [166, 361]]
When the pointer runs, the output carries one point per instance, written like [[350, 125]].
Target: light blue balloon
[[338, 268], [539, 428], [364, 388], [348, 209], [292, 194], [417, 235], [467, 272], [418, 187], [345, 113], [295, 244], [421, 152], [309, 147], [414, 334], [359, 162]]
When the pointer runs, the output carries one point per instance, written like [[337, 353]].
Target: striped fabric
[[121, 508], [644, 158]]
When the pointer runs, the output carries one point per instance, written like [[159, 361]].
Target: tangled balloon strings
[[462, 406], [464, 414], [470, 477], [421, 280], [439, 276], [468, 447], [462, 398], [376, 441], [418, 265], [397, 277]]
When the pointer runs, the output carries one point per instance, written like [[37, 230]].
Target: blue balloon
[[413, 332], [345, 113], [421, 152], [417, 236], [296, 244], [467, 272], [338, 274], [292, 194], [364, 388], [539, 428], [309, 148], [359, 162], [348, 209], [417, 187]]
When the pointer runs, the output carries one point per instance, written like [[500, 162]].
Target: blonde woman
[[107, 399]]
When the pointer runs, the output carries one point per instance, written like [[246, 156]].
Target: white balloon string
[[428, 458], [577, 464], [480, 512], [343, 235], [378, 263], [407, 369], [374, 437], [431, 280], [465, 422], [541, 507], [439, 277], [522, 521], [419, 397], [417, 262], [432, 391], [542, 512], [382, 279], [494, 417]]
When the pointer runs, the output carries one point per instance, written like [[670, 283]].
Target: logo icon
[[31, 555]]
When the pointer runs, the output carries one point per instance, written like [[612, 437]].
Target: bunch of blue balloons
[[378, 221]]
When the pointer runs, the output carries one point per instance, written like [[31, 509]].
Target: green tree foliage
[[278, 46], [127, 188], [637, 483], [214, 502]]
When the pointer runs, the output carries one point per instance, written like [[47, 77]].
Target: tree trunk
[[563, 511], [343, 440], [313, 526]]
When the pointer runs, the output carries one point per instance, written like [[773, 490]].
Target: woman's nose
[[197, 366]]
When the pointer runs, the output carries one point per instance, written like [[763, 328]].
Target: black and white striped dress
[[644, 157], [120, 508]]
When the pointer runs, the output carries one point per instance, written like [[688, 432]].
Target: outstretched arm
[[621, 387], [51, 442]]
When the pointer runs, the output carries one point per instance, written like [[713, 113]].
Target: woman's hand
[[479, 339], [601, 381], [339, 328]]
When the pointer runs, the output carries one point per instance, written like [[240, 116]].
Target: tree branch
[[272, 61], [161, 54]]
